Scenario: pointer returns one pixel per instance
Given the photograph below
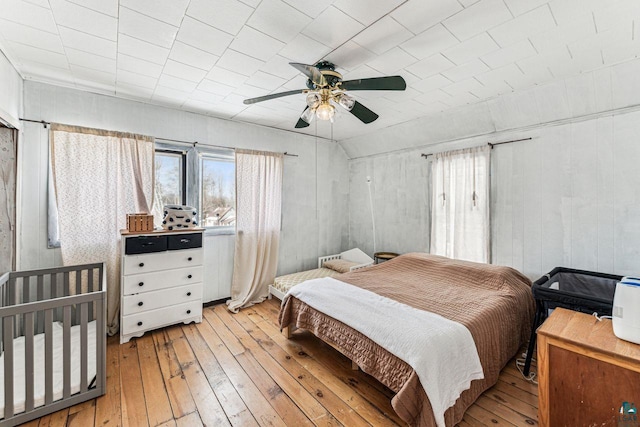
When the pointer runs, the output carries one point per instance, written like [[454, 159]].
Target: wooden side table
[[384, 256], [586, 375]]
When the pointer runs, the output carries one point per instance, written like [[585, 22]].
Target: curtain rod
[[193, 144], [490, 144]]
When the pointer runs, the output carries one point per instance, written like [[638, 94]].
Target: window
[[170, 181], [217, 192]]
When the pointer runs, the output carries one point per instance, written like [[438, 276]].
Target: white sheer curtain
[[258, 208], [460, 204], [7, 198], [99, 177]]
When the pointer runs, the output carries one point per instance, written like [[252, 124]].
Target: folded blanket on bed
[[445, 370]]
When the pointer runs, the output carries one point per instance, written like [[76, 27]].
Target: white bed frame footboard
[[30, 301]]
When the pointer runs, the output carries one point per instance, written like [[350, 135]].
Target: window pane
[[218, 193], [168, 183]]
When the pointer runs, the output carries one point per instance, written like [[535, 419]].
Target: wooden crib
[[52, 340]]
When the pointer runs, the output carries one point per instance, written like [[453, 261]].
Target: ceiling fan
[[325, 88]]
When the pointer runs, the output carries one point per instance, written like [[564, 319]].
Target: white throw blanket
[[441, 351]]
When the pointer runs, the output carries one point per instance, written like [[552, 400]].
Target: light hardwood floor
[[239, 370]]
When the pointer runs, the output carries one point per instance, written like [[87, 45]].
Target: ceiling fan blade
[[301, 123], [272, 96], [363, 113], [376, 83], [310, 71]]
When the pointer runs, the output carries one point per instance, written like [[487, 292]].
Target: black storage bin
[[578, 290], [145, 244], [185, 241]]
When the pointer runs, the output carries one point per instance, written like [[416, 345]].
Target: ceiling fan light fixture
[[313, 99], [346, 101], [308, 115], [325, 111]]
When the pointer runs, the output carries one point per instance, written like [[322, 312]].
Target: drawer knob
[[139, 323], [140, 304], [141, 284], [188, 311], [189, 276], [189, 259], [188, 294], [141, 264]]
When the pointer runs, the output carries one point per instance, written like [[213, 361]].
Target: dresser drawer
[[161, 317], [145, 244], [184, 241], [157, 299], [147, 282], [136, 264]]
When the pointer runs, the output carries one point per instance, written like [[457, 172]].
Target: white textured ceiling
[[209, 55]]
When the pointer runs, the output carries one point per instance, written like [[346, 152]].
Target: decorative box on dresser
[[161, 280], [586, 375]]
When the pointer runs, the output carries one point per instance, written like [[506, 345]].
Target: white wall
[[314, 212], [10, 93]]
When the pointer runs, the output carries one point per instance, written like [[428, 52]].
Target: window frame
[[183, 168], [220, 155]]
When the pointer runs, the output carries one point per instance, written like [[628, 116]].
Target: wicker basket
[[139, 222]]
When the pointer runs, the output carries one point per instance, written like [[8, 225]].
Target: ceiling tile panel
[[226, 15], [208, 97], [277, 66], [509, 54], [266, 81], [13, 31], [43, 72], [333, 27], [170, 96], [478, 18], [366, 11], [434, 96], [392, 61], [226, 77], [518, 7], [133, 91], [430, 66], [471, 49], [29, 14], [565, 11], [431, 83], [127, 77], [430, 42], [279, 20], [34, 54], [621, 52], [350, 55], [108, 7], [462, 87], [418, 16], [464, 71], [183, 71], [601, 40], [145, 28], [203, 36], [537, 21], [256, 44], [140, 66], [177, 83], [538, 65], [80, 18], [467, 3], [215, 87], [191, 56], [312, 8], [90, 60], [140, 49], [611, 17], [500, 75], [88, 75], [304, 50], [383, 35], [239, 63], [169, 11], [248, 91], [486, 92], [88, 43], [582, 27]]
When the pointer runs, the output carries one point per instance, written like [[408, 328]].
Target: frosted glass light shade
[[325, 111], [346, 101], [308, 115]]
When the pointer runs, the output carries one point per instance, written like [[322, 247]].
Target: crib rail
[[31, 301], [323, 259]]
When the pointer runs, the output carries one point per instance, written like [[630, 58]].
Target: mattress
[[493, 302], [39, 358], [284, 283]]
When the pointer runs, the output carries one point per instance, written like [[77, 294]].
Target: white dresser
[[161, 280]]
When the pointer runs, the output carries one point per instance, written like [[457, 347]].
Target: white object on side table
[[161, 280]]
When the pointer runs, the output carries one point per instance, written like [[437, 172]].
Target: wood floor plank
[[231, 402], [134, 410], [486, 417], [108, 412], [512, 402], [155, 392], [57, 419], [519, 394], [191, 420], [255, 387], [337, 405], [84, 415], [504, 412], [208, 406]]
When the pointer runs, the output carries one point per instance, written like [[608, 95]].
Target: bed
[[52, 340], [493, 303], [328, 266]]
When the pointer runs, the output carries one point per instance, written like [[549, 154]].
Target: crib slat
[[66, 350], [48, 356], [65, 286], [101, 351], [90, 289], [40, 296], [28, 361], [8, 365], [78, 292], [84, 346], [26, 289]]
